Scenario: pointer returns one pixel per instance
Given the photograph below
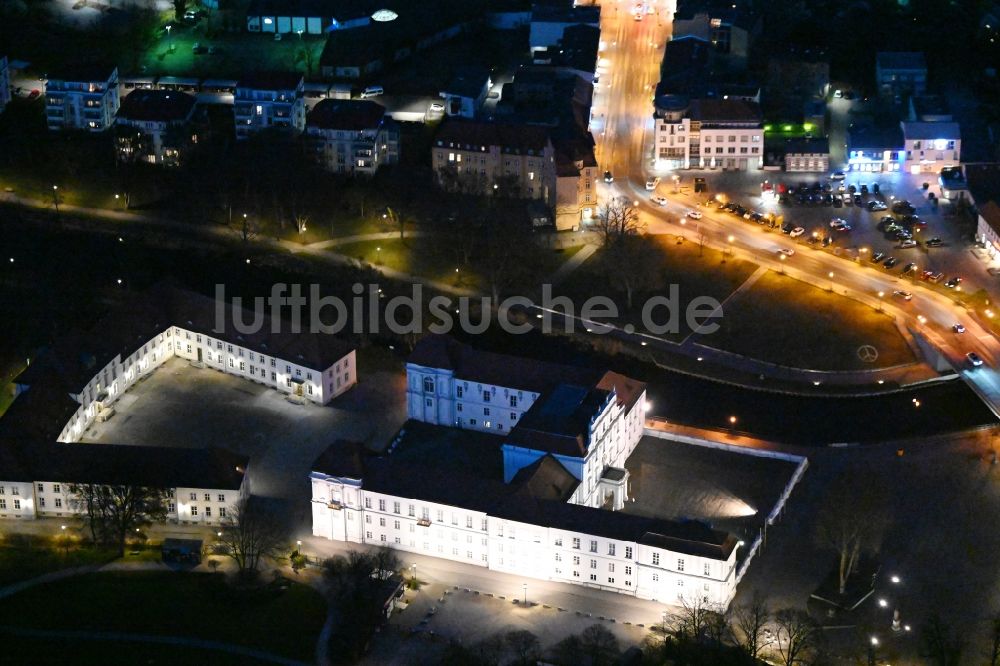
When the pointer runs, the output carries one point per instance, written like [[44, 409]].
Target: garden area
[[788, 322]]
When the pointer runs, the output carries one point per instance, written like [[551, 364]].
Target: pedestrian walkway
[[360, 238], [574, 262]]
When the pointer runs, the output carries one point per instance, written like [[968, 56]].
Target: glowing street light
[[524, 586], [895, 579]]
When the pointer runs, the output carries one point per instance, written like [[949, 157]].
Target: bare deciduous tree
[[749, 622], [524, 645], [252, 532], [852, 520], [112, 513], [696, 617], [598, 643], [617, 219], [796, 636], [941, 647]]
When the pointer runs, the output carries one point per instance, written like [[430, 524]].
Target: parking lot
[[864, 239]]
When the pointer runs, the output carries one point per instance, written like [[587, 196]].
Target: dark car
[[857, 200], [909, 268], [852, 189], [608, 177], [828, 200], [875, 188], [903, 207], [953, 282], [890, 262], [838, 201], [699, 185], [933, 242], [864, 189], [877, 257]]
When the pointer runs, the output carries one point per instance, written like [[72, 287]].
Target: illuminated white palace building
[[519, 466], [79, 380]]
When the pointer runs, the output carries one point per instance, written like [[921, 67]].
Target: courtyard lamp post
[[524, 586], [881, 295], [170, 43], [55, 197], [782, 258], [830, 275]]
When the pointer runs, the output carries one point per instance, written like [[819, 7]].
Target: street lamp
[[170, 44], [830, 275], [524, 586], [782, 259], [55, 197]]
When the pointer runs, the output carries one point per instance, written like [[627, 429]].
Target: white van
[[372, 91]]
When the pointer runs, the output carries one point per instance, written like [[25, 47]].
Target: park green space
[[697, 271], [284, 617], [785, 321]]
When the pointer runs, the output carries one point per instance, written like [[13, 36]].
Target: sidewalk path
[[574, 262], [360, 238]]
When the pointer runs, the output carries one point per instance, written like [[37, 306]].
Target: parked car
[[974, 359], [891, 262], [909, 268], [838, 201], [372, 91], [857, 200], [608, 177], [837, 222], [34, 94], [796, 232], [953, 282], [903, 207], [877, 205], [837, 175], [907, 244], [651, 183], [926, 275], [905, 295], [877, 257], [875, 188], [936, 277], [864, 188], [694, 214]]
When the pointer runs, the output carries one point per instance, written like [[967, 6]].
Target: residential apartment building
[[931, 146], [549, 22], [42, 480], [807, 155], [505, 158], [576, 183], [708, 134], [899, 73], [352, 136], [4, 83], [154, 126], [82, 97], [983, 180], [729, 29], [269, 100]]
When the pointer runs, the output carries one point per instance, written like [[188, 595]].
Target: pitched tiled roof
[[474, 135]]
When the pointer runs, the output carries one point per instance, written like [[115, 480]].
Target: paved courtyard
[[183, 406]]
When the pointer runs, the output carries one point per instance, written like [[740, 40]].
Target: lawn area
[[19, 562], [96, 653], [285, 622], [785, 321], [696, 272], [420, 256]]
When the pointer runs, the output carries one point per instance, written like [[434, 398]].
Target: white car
[[658, 200], [974, 360], [694, 214], [958, 328], [437, 106], [837, 175], [796, 232], [786, 251], [905, 295], [652, 183]]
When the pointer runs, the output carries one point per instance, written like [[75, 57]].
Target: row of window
[[731, 150], [426, 546]]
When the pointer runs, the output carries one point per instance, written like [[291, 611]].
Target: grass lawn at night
[[696, 272], [20, 562], [420, 256], [50, 650], [785, 321], [285, 622]]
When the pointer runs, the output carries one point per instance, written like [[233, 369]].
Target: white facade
[[4, 83], [53, 499], [807, 162], [258, 107], [688, 144], [88, 105], [344, 511], [435, 396], [109, 382], [930, 147]]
